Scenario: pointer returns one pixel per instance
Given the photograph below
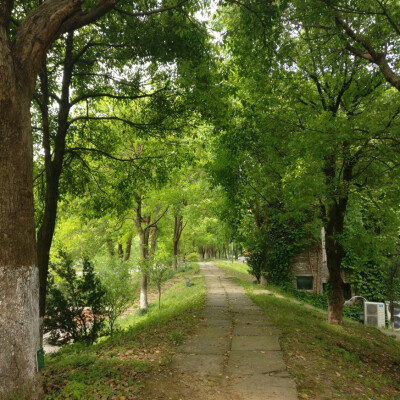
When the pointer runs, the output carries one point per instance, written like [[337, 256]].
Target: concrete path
[[236, 347]]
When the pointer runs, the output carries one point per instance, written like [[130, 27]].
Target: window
[[305, 282]]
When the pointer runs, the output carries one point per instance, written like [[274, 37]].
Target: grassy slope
[[115, 367], [328, 362]]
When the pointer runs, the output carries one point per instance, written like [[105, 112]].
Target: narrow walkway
[[236, 346]]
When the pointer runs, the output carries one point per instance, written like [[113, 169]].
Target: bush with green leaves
[[119, 288], [193, 257], [75, 308]]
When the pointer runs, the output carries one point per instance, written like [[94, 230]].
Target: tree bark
[[128, 248], [201, 253], [153, 234], [178, 229], [145, 252], [334, 215], [22, 53], [19, 274], [334, 253]]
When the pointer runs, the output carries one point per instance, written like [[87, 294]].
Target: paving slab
[[206, 345], [241, 319], [216, 322], [217, 302], [250, 310], [250, 343], [203, 364], [217, 312], [242, 363], [213, 331], [249, 330], [263, 387]]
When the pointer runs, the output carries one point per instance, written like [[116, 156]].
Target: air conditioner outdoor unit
[[396, 314], [374, 314]]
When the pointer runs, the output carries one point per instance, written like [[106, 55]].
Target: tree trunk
[[334, 215], [143, 246], [120, 250], [153, 234], [178, 229], [128, 248], [22, 53], [144, 255], [53, 168], [19, 273], [207, 252], [175, 255], [336, 297], [201, 253]]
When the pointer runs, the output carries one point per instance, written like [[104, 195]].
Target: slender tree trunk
[[143, 246], [53, 168], [153, 234], [19, 273], [120, 250], [128, 248], [201, 253], [144, 256], [178, 229]]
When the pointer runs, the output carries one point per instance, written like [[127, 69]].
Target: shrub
[[194, 257], [75, 304]]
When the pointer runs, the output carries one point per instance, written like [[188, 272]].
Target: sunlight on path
[[236, 347]]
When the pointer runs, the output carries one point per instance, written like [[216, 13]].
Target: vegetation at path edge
[[351, 361], [115, 367]]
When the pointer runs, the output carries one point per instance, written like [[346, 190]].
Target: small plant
[[159, 272], [119, 288]]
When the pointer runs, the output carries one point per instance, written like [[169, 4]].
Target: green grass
[[236, 269], [115, 366], [351, 361]]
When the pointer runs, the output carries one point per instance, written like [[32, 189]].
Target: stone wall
[[311, 262]]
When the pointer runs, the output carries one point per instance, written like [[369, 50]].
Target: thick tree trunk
[[334, 215], [336, 297], [19, 273], [22, 53]]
